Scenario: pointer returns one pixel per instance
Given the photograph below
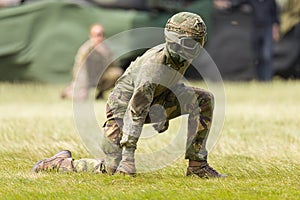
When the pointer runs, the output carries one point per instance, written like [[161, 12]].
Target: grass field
[[259, 149]]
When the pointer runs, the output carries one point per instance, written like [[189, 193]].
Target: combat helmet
[[185, 32]]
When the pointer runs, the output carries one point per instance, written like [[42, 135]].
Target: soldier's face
[[96, 35], [182, 53], [187, 47]]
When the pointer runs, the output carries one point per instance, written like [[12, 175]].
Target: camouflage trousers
[[196, 102], [180, 100]]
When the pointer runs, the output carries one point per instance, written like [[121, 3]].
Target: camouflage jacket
[[147, 78]]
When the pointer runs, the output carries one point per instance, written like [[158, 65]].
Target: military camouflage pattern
[[96, 166], [138, 87], [63, 162], [60, 162], [150, 91], [152, 83], [187, 24], [154, 80], [199, 106], [127, 164], [185, 34]]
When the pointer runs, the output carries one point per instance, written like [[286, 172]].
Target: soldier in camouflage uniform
[[90, 61], [153, 79]]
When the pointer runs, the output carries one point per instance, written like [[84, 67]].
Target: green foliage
[[259, 149]]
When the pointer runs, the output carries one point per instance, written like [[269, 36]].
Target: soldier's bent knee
[[205, 100]]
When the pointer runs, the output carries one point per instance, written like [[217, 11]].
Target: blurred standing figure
[[90, 62], [266, 29]]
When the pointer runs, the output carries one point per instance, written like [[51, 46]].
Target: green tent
[[39, 40]]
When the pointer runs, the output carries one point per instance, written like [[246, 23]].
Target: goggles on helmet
[[187, 42]]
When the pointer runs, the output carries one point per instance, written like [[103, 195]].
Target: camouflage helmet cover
[[187, 24], [185, 34]]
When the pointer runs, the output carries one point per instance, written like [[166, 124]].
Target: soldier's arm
[[77, 63], [136, 113], [81, 57], [275, 21]]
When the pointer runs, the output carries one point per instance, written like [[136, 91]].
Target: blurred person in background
[[10, 3], [265, 31], [90, 62]]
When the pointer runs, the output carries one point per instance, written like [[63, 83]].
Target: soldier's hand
[[161, 126]]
